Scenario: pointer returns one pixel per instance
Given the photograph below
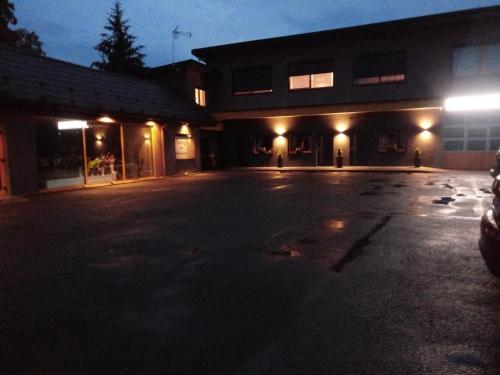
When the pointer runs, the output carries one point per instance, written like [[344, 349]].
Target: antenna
[[176, 33]]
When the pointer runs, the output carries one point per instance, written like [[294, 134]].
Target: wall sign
[[184, 148]]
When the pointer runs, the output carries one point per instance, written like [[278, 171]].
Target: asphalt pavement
[[251, 273]]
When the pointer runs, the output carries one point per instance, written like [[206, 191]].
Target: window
[[379, 69], [392, 141], [298, 144], [252, 80], [471, 133], [310, 74], [200, 97], [262, 144], [184, 147], [476, 60]]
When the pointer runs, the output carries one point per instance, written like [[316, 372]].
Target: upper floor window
[[476, 60], [310, 75], [257, 80], [380, 68], [200, 96]]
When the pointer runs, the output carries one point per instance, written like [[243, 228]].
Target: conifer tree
[[118, 53]]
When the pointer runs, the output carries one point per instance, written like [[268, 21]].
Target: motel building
[[376, 92]]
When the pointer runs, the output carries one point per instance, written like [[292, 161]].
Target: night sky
[[70, 29]]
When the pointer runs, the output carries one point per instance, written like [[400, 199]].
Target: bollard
[[489, 242]]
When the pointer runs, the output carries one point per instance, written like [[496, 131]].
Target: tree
[[21, 38], [118, 53]]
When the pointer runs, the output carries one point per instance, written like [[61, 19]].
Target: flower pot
[[339, 161], [418, 162], [280, 161]]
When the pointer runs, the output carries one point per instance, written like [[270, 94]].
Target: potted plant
[[280, 160], [340, 158], [418, 158]]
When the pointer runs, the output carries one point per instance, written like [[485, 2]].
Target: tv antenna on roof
[[176, 33]]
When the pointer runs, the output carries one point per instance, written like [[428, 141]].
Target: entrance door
[[3, 171]]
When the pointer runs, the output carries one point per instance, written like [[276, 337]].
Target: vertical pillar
[[85, 163], [122, 145]]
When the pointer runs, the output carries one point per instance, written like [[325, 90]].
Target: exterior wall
[[359, 139], [22, 161], [428, 73], [173, 165], [469, 160], [4, 177]]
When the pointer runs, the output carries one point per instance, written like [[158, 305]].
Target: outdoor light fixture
[[151, 123], [341, 127], [472, 103], [106, 120], [425, 124], [280, 130], [72, 124]]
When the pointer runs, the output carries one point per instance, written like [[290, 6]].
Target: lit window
[[322, 80], [200, 97], [300, 82], [311, 81]]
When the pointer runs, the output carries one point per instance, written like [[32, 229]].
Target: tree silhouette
[[21, 38], [118, 53]]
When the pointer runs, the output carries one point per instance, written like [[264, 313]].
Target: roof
[[190, 63], [45, 83], [492, 11]]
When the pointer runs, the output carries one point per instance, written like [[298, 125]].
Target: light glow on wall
[[280, 140], [185, 129], [425, 124], [341, 127], [72, 124], [151, 123], [472, 103]]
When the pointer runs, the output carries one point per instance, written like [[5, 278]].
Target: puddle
[[336, 225], [486, 190], [461, 195], [443, 200], [377, 193], [357, 248], [399, 185], [306, 241], [286, 251], [448, 186], [429, 183]]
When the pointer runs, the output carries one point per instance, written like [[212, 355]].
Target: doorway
[[3, 167]]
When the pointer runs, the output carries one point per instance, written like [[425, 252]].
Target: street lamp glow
[[72, 124], [472, 103]]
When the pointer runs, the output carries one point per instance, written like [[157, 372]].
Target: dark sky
[[70, 29]]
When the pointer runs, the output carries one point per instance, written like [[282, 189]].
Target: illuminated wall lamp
[[472, 103], [72, 124], [106, 120]]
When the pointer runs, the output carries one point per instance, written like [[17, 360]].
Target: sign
[[184, 147]]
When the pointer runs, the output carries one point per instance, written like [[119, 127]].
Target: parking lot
[[251, 273]]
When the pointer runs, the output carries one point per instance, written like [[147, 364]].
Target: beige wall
[[469, 160]]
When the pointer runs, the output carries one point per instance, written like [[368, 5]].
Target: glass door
[[3, 172]]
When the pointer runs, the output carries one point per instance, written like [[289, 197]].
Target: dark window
[[454, 132], [495, 131], [252, 80], [380, 68], [262, 144], [494, 144], [453, 145], [476, 60], [476, 145], [392, 141], [477, 133], [298, 144]]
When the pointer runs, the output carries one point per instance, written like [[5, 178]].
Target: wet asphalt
[[251, 273]]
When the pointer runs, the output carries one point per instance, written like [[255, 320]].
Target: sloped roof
[[48, 83]]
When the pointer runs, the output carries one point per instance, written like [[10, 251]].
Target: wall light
[[151, 123], [280, 140], [185, 129], [280, 130], [341, 127], [425, 124], [99, 137], [72, 124], [472, 103], [106, 120]]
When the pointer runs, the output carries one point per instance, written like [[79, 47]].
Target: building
[[66, 125], [376, 92]]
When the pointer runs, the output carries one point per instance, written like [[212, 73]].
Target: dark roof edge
[[98, 71], [202, 52]]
